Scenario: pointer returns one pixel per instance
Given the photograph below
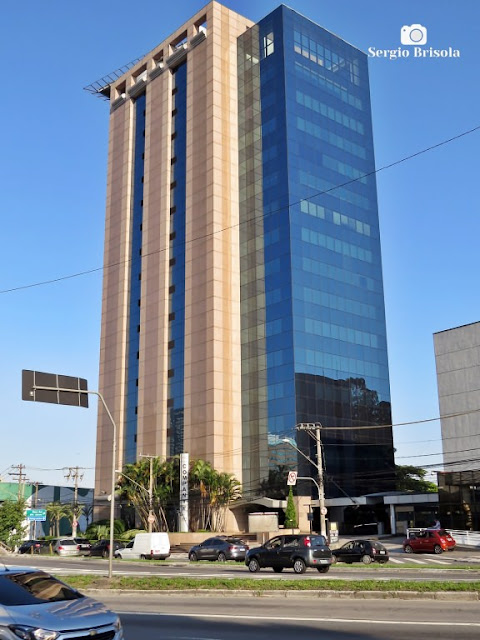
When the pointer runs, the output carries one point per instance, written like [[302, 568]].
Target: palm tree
[[134, 485], [226, 490], [200, 482], [55, 512]]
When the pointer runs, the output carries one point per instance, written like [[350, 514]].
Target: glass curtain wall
[[176, 343], [317, 258], [130, 440]]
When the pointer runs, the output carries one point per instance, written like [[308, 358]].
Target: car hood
[[70, 615], [253, 550]]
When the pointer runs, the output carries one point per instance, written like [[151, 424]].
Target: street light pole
[[114, 458], [308, 426]]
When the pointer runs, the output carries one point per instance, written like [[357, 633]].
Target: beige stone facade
[[212, 364]]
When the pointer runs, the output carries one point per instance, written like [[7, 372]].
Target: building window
[[268, 47]]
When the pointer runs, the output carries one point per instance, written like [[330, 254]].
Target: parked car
[[34, 546], [102, 548], [365, 551], [150, 546], [220, 548], [34, 604], [291, 551], [429, 541], [84, 545], [66, 547]]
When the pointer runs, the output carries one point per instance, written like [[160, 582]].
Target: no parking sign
[[292, 478]]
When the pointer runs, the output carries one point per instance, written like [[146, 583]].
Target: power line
[[207, 235]]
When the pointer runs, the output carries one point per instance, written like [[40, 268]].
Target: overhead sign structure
[[36, 515], [292, 478], [54, 388]]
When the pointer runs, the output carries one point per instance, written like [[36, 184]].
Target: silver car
[[36, 606], [66, 547]]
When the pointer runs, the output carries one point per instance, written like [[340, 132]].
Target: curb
[[468, 596]]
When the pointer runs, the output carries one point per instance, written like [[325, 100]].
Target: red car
[[429, 541]]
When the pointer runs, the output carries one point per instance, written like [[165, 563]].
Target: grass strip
[[243, 584]]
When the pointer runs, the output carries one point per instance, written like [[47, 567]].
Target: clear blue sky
[[53, 184]]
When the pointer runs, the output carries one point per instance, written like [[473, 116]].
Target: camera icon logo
[[413, 35]]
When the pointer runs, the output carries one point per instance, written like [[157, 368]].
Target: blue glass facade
[[130, 439], [310, 252], [177, 261]]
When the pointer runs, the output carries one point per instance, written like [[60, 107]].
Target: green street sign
[[37, 515]]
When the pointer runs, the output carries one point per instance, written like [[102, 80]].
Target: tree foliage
[[290, 512], [411, 478], [55, 512], [275, 486], [12, 515], [211, 493]]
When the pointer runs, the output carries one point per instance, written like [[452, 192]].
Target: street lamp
[[68, 390], [320, 485]]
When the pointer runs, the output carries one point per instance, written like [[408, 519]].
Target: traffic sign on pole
[[37, 515], [292, 478]]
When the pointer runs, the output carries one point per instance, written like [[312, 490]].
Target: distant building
[[38, 496], [243, 289], [457, 357]]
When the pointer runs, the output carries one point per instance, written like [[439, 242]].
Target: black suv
[[291, 551]]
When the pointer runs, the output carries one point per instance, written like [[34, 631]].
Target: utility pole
[[35, 505], [316, 426], [21, 478], [151, 517], [75, 475]]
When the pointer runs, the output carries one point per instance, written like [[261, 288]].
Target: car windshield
[[442, 532], [318, 541], [377, 546], [68, 543], [36, 587]]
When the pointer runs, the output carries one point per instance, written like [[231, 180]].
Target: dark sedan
[[102, 548], [84, 545], [220, 548], [34, 546], [365, 551]]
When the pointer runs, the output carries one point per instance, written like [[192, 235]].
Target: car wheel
[[253, 565], [117, 555], [143, 557], [323, 569], [278, 569], [192, 556], [299, 565], [408, 549], [104, 553], [366, 559], [221, 557], [437, 549]]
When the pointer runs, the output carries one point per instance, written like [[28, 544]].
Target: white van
[[154, 546]]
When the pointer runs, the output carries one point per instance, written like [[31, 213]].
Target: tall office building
[[457, 357], [243, 286]]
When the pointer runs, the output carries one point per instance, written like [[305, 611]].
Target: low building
[[38, 496]]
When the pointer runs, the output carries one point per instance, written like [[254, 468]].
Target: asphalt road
[[185, 617], [98, 566]]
